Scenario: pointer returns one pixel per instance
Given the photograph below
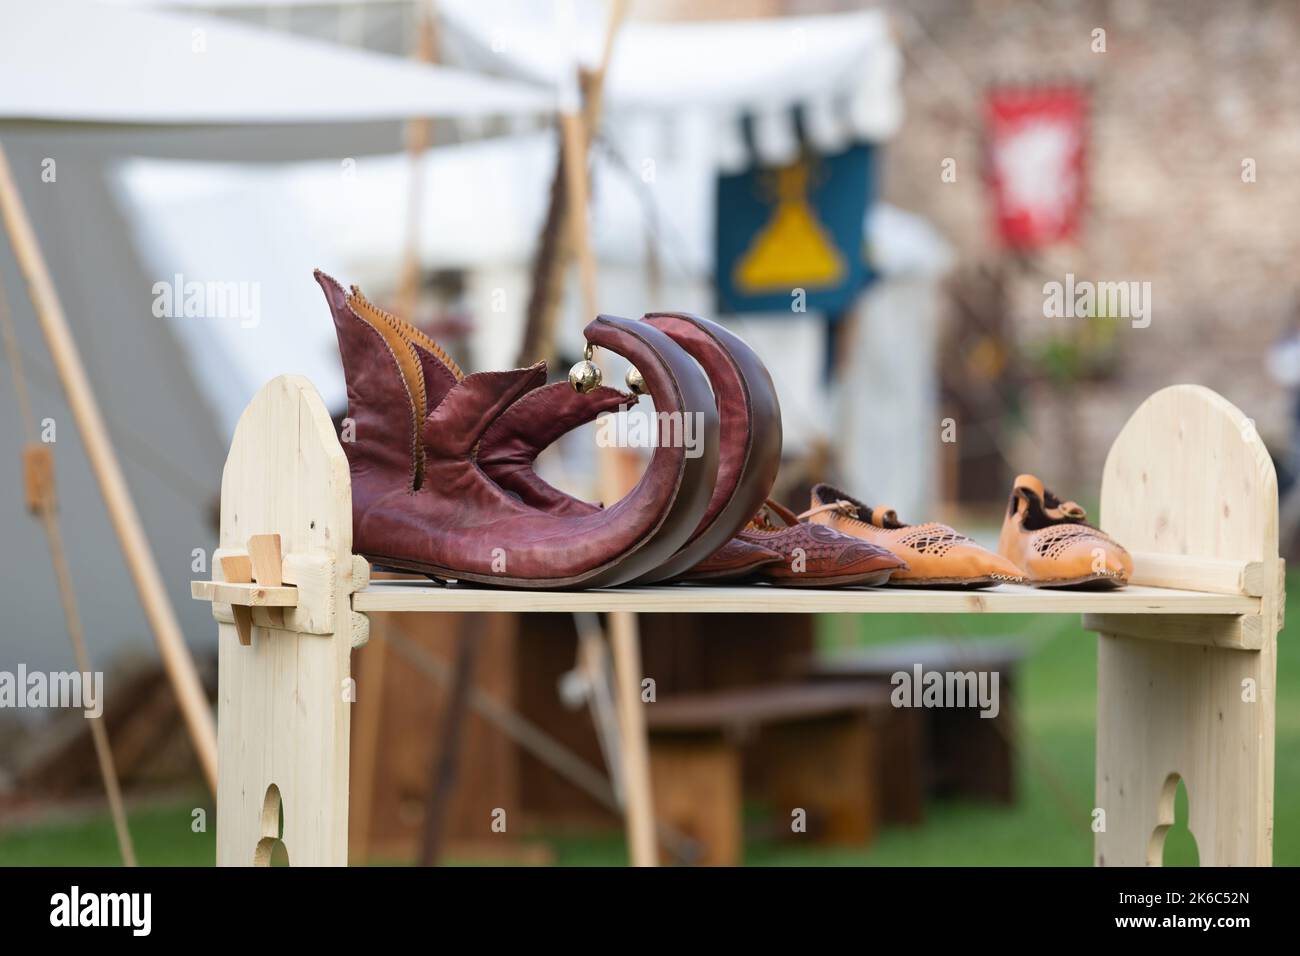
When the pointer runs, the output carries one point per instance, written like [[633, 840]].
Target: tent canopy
[[842, 70], [483, 206], [80, 62], [734, 64], [89, 84]]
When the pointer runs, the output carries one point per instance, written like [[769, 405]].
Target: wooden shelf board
[[1005, 599], [244, 594]]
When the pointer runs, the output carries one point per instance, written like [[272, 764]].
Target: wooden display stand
[[1187, 652]]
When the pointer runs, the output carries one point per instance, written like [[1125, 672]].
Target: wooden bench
[[1198, 622], [803, 747]]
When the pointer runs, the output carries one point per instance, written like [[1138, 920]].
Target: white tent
[[484, 203], [654, 175], [84, 87], [483, 207], [675, 99], [91, 63], [842, 71]]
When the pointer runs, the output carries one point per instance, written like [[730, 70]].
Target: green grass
[[1050, 824], [162, 837]]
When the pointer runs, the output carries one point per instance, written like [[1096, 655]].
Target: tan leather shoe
[[814, 556], [1052, 541], [936, 555]]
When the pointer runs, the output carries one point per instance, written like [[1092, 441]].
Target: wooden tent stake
[[98, 732], [103, 461], [38, 490]]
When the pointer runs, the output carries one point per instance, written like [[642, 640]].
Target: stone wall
[[1184, 92]]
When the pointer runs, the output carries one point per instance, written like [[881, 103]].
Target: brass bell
[[635, 381], [585, 376]]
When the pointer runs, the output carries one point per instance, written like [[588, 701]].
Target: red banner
[[1036, 147]]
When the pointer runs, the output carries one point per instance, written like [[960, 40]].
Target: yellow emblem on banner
[[793, 248]]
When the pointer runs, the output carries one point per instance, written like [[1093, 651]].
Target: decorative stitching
[[1052, 541], [933, 539], [415, 423], [412, 332]]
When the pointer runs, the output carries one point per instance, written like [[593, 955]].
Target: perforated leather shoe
[[1054, 544], [936, 555]]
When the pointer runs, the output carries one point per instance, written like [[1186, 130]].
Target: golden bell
[[634, 380], [585, 376]]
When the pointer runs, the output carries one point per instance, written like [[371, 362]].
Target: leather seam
[[411, 487], [418, 402], [411, 332]]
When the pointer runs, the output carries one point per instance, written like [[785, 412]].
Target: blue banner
[[794, 234]]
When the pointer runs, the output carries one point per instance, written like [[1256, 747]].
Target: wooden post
[[419, 134], [555, 243], [1189, 476], [285, 698], [103, 461], [643, 848], [624, 640], [575, 167], [370, 712], [444, 766]]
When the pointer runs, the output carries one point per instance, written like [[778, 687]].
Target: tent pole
[[366, 734], [103, 461], [576, 130], [555, 242], [574, 140], [419, 134]]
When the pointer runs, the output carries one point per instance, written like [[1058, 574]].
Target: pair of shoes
[[1052, 540], [1045, 542], [935, 554], [442, 472]]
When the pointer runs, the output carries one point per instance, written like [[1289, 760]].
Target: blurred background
[[880, 197]]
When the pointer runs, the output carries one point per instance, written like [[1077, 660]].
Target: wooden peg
[[238, 569], [38, 476], [268, 568], [268, 565]]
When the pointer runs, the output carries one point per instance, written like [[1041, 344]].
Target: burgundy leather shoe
[[737, 560], [422, 503], [815, 556], [749, 447], [509, 449], [508, 454], [749, 414]]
